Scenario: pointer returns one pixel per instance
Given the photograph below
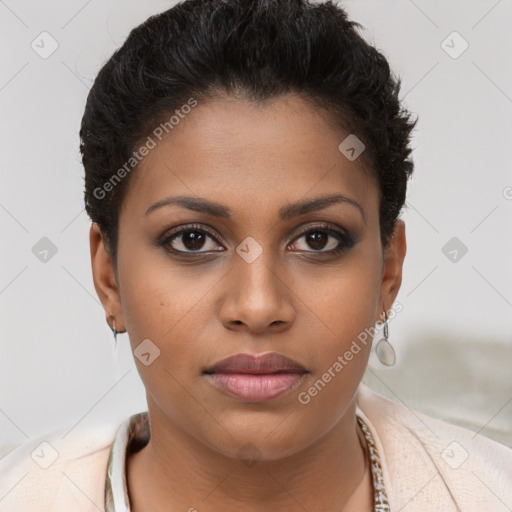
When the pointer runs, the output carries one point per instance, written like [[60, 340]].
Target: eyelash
[[345, 240]]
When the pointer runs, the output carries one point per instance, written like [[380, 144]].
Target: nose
[[257, 297]]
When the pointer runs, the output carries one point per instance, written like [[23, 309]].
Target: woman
[[246, 164]]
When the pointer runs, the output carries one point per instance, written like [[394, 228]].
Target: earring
[[384, 350], [113, 328]]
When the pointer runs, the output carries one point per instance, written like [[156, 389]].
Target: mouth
[[252, 378]]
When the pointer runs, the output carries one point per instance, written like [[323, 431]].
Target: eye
[[323, 239], [190, 239]]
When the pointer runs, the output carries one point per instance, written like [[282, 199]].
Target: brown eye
[[190, 240], [323, 239], [193, 240], [317, 240]]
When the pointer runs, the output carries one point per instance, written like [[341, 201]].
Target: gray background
[[453, 338]]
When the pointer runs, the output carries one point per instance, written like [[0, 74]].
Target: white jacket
[[428, 465]]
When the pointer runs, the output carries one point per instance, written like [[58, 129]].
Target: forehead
[[249, 154]]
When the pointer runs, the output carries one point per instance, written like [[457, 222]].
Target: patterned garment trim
[[380, 498]]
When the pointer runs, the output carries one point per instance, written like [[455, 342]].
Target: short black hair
[[257, 49]]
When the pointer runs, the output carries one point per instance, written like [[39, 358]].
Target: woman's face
[[256, 271]]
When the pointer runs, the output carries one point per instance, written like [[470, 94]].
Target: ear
[[104, 277], [392, 269]]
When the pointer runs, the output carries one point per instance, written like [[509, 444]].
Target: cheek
[[167, 305], [343, 321], [163, 306], [343, 300], [342, 315], [158, 296]]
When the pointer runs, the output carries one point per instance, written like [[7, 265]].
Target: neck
[[177, 472]]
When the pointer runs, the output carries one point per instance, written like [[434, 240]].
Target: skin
[[293, 299]]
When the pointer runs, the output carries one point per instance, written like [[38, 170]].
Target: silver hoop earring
[[384, 350]]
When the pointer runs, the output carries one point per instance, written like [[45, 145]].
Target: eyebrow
[[286, 212]]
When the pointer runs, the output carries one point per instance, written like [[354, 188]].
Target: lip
[[256, 378], [271, 362]]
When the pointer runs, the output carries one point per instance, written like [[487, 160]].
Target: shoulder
[[62, 470], [434, 464]]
